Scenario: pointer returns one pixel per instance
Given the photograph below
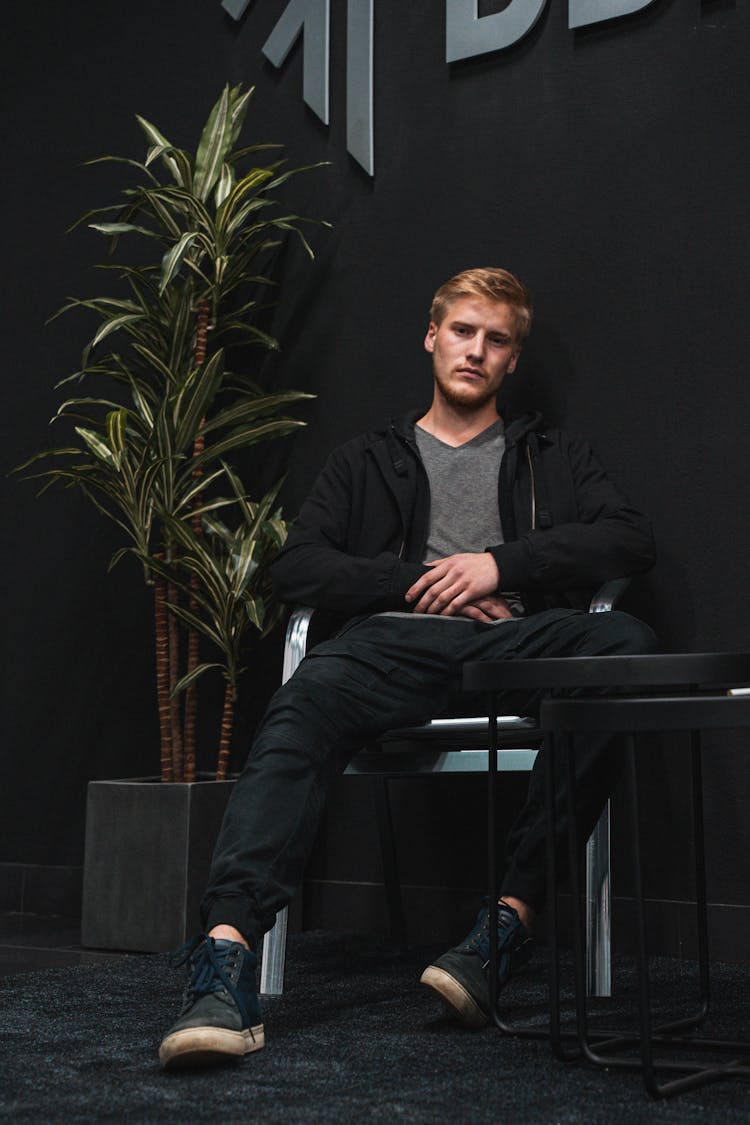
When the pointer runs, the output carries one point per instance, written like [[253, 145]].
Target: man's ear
[[429, 340], [513, 362]]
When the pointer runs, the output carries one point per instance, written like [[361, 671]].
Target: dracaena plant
[[152, 440]]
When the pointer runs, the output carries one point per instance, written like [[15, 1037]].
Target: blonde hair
[[491, 283]]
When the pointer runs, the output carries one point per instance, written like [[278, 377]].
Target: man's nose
[[477, 346]]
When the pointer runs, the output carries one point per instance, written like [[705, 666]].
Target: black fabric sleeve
[[315, 567], [609, 538]]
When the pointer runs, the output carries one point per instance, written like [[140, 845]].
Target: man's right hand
[[489, 609]]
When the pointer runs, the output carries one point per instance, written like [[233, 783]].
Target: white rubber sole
[[201, 1046], [458, 1002]]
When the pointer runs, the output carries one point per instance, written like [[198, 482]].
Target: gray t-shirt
[[464, 511]]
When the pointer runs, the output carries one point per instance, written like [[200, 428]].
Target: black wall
[[609, 168]]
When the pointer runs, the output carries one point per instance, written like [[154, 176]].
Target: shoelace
[[209, 970], [513, 941]]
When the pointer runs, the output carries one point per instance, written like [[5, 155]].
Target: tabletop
[[691, 669]]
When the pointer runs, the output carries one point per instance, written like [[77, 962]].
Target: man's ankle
[[228, 933], [525, 912]]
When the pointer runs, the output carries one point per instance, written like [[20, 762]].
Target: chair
[[453, 745]]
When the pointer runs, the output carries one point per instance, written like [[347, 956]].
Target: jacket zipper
[[533, 489]]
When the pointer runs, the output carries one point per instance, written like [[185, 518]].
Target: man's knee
[[625, 635]]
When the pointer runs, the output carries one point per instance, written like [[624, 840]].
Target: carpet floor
[[354, 1038]]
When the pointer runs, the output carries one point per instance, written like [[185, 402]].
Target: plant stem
[[191, 695], [162, 676], [173, 596], [225, 741]]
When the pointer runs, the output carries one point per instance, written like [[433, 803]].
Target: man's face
[[473, 348]]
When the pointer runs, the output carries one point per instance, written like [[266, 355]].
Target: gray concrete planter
[[148, 850]]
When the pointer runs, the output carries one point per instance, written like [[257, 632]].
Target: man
[[443, 539]]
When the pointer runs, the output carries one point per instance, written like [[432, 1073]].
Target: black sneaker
[[220, 1017], [460, 976]]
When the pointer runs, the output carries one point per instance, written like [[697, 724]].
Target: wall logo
[[467, 35]]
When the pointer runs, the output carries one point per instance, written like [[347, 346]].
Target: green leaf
[[116, 430], [121, 228], [69, 452], [225, 184], [217, 528], [213, 146], [262, 509], [244, 564], [186, 202], [162, 144], [238, 104], [238, 488], [246, 437], [98, 447], [103, 402], [191, 677], [245, 411], [141, 404], [254, 610], [255, 335], [152, 201], [213, 505], [195, 397], [295, 171], [252, 181], [117, 556], [278, 529], [173, 259], [155, 361], [240, 153], [195, 490], [113, 325], [196, 622], [121, 160]]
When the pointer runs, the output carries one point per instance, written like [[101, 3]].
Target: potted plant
[[153, 449]]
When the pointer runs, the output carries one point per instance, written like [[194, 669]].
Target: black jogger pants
[[384, 672]]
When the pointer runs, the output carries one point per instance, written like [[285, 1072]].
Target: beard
[[465, 396]]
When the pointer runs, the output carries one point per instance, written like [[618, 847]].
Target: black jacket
[[358, 542]]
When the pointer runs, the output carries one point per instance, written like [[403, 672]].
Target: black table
[[633, 694]]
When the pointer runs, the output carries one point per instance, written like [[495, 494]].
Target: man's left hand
[[453, 582]]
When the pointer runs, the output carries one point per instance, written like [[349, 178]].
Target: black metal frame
[[524, 1031], [616, 713], [635, 714]]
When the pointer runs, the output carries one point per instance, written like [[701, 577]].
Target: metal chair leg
[[391, 878], [274, 955], [599, 909]]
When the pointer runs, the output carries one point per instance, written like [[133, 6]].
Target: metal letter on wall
[[359, 95], [583, 12], [469, 34], [235, 8], [314, 17]]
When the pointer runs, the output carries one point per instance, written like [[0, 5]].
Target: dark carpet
[[354, 1038]]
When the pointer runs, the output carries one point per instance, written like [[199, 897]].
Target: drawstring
[[541, 513], [533, 489]]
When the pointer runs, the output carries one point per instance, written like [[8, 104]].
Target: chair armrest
[[295, 642], [608, 595]]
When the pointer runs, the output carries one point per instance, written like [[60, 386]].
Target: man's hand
[[454, 582], [489, 609]]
